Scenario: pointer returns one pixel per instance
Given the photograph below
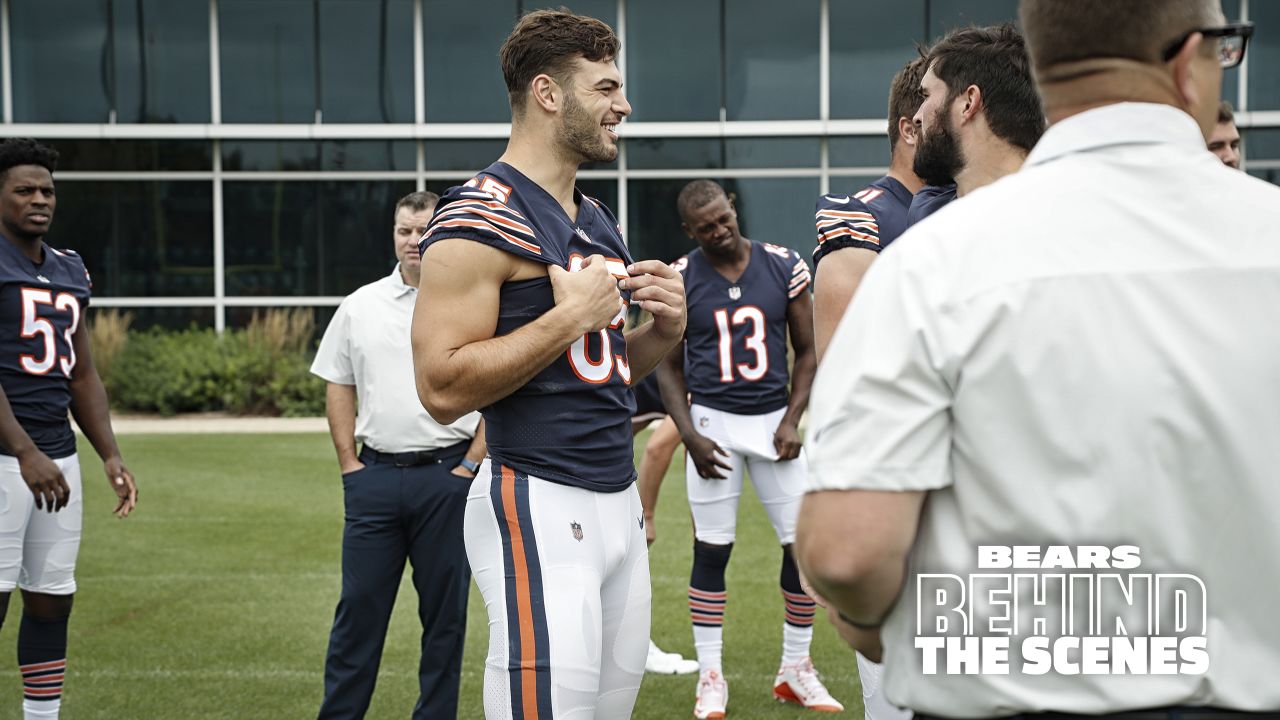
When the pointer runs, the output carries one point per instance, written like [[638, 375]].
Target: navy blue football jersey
[[871, 218], [572, 422], [41, 305], [928, 201], [736, 340]]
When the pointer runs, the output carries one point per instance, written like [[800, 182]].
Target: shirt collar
[[398, 285], [1129, 123]]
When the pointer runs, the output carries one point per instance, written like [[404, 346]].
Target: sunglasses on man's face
[[1232, 40]]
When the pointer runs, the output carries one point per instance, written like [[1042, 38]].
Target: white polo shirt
[[1086, 352], [367, 345]]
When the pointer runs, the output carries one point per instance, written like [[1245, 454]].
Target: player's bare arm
[[89, 408], [852, 545], [475, 452], [340, 410], [659, 290], [786, 440], [658, 450], [39, 472], [835, 280], [675, 397], [458, 363]]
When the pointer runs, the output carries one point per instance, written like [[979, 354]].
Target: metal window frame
[[824, 127]]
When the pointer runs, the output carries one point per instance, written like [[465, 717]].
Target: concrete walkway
[[213, 423]]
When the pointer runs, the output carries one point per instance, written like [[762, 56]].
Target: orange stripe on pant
[[524, 607]]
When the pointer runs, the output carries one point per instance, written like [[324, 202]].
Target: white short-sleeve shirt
[[1086, 352], [367, 345]]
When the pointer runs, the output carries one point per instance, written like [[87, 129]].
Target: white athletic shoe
[[665, 663], [713, 696], [799, 683]]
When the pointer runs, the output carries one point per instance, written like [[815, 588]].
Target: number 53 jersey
[[736, 340], [571, 423], [40, 308]]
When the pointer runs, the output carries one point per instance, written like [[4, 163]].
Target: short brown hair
[[904, 95], [1226, 113], [995, 59], [548, 41], [417, 201], [1061, 32]]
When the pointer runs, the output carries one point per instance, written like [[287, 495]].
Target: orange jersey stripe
[[524, 606]]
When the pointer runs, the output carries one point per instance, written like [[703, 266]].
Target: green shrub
[[243, 372]]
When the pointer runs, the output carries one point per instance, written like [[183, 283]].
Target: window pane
[[268, 60], [1263, 57], [947, 14], [463, 79], [772, 152], [771, 65], [606, 191], [667, 85], [777, 210], [653, 225], [133, 154], [1262, 143], [162, 61], [59, 49], [270, 155], [675, 153], [1271, 175], [366, 61], [308, 238], [864, 62], [139, 238], [368, 155], [1231, 78], [859, 151], [169, 318], [468, 156]]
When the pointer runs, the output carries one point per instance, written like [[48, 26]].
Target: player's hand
[[122, 482], [462, 472], [650, 532], [45, 481], [660, 290], [591, 292], [346, 468], [704, 450], [786, 441]]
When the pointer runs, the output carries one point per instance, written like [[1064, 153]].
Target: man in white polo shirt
[[1078, 367], [405, 492]]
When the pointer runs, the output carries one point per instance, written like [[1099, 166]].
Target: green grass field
[[214, 599]]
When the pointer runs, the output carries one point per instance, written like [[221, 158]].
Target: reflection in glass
[[468, 156], [947, 14], [858, 151], [169, 318], [268, 60], [663, 85], [1263, 58], [59, 68], [675, 153], [125, 155], [161, 60], [139, 238], [463, 79], [270, 155], [366, 61], [863, 63], [653, 224], [771, 66], [308, 238]]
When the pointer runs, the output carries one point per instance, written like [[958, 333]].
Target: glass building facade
[[220, 156]]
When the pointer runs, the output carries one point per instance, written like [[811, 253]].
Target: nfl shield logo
[[577, 531], [583, 234], [735, 292]]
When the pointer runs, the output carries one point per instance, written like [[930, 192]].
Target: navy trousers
[[394, 513]]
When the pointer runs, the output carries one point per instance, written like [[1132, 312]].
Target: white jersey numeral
[[599, 371], [35, 326], [754, 342]]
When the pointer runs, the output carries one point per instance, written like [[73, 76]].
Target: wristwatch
[[471, 465]]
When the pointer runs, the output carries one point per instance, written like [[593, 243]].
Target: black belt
[[412, 458], [1164, 713]]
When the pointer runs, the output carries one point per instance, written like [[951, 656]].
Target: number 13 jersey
[[736, 340], [571, 423], [41, 305]]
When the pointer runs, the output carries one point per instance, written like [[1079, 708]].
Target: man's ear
[[907, 130], [972, 98], [1184, 74], [687, 230], [547, 93]]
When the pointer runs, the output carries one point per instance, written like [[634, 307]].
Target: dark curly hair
[[26, 151]]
